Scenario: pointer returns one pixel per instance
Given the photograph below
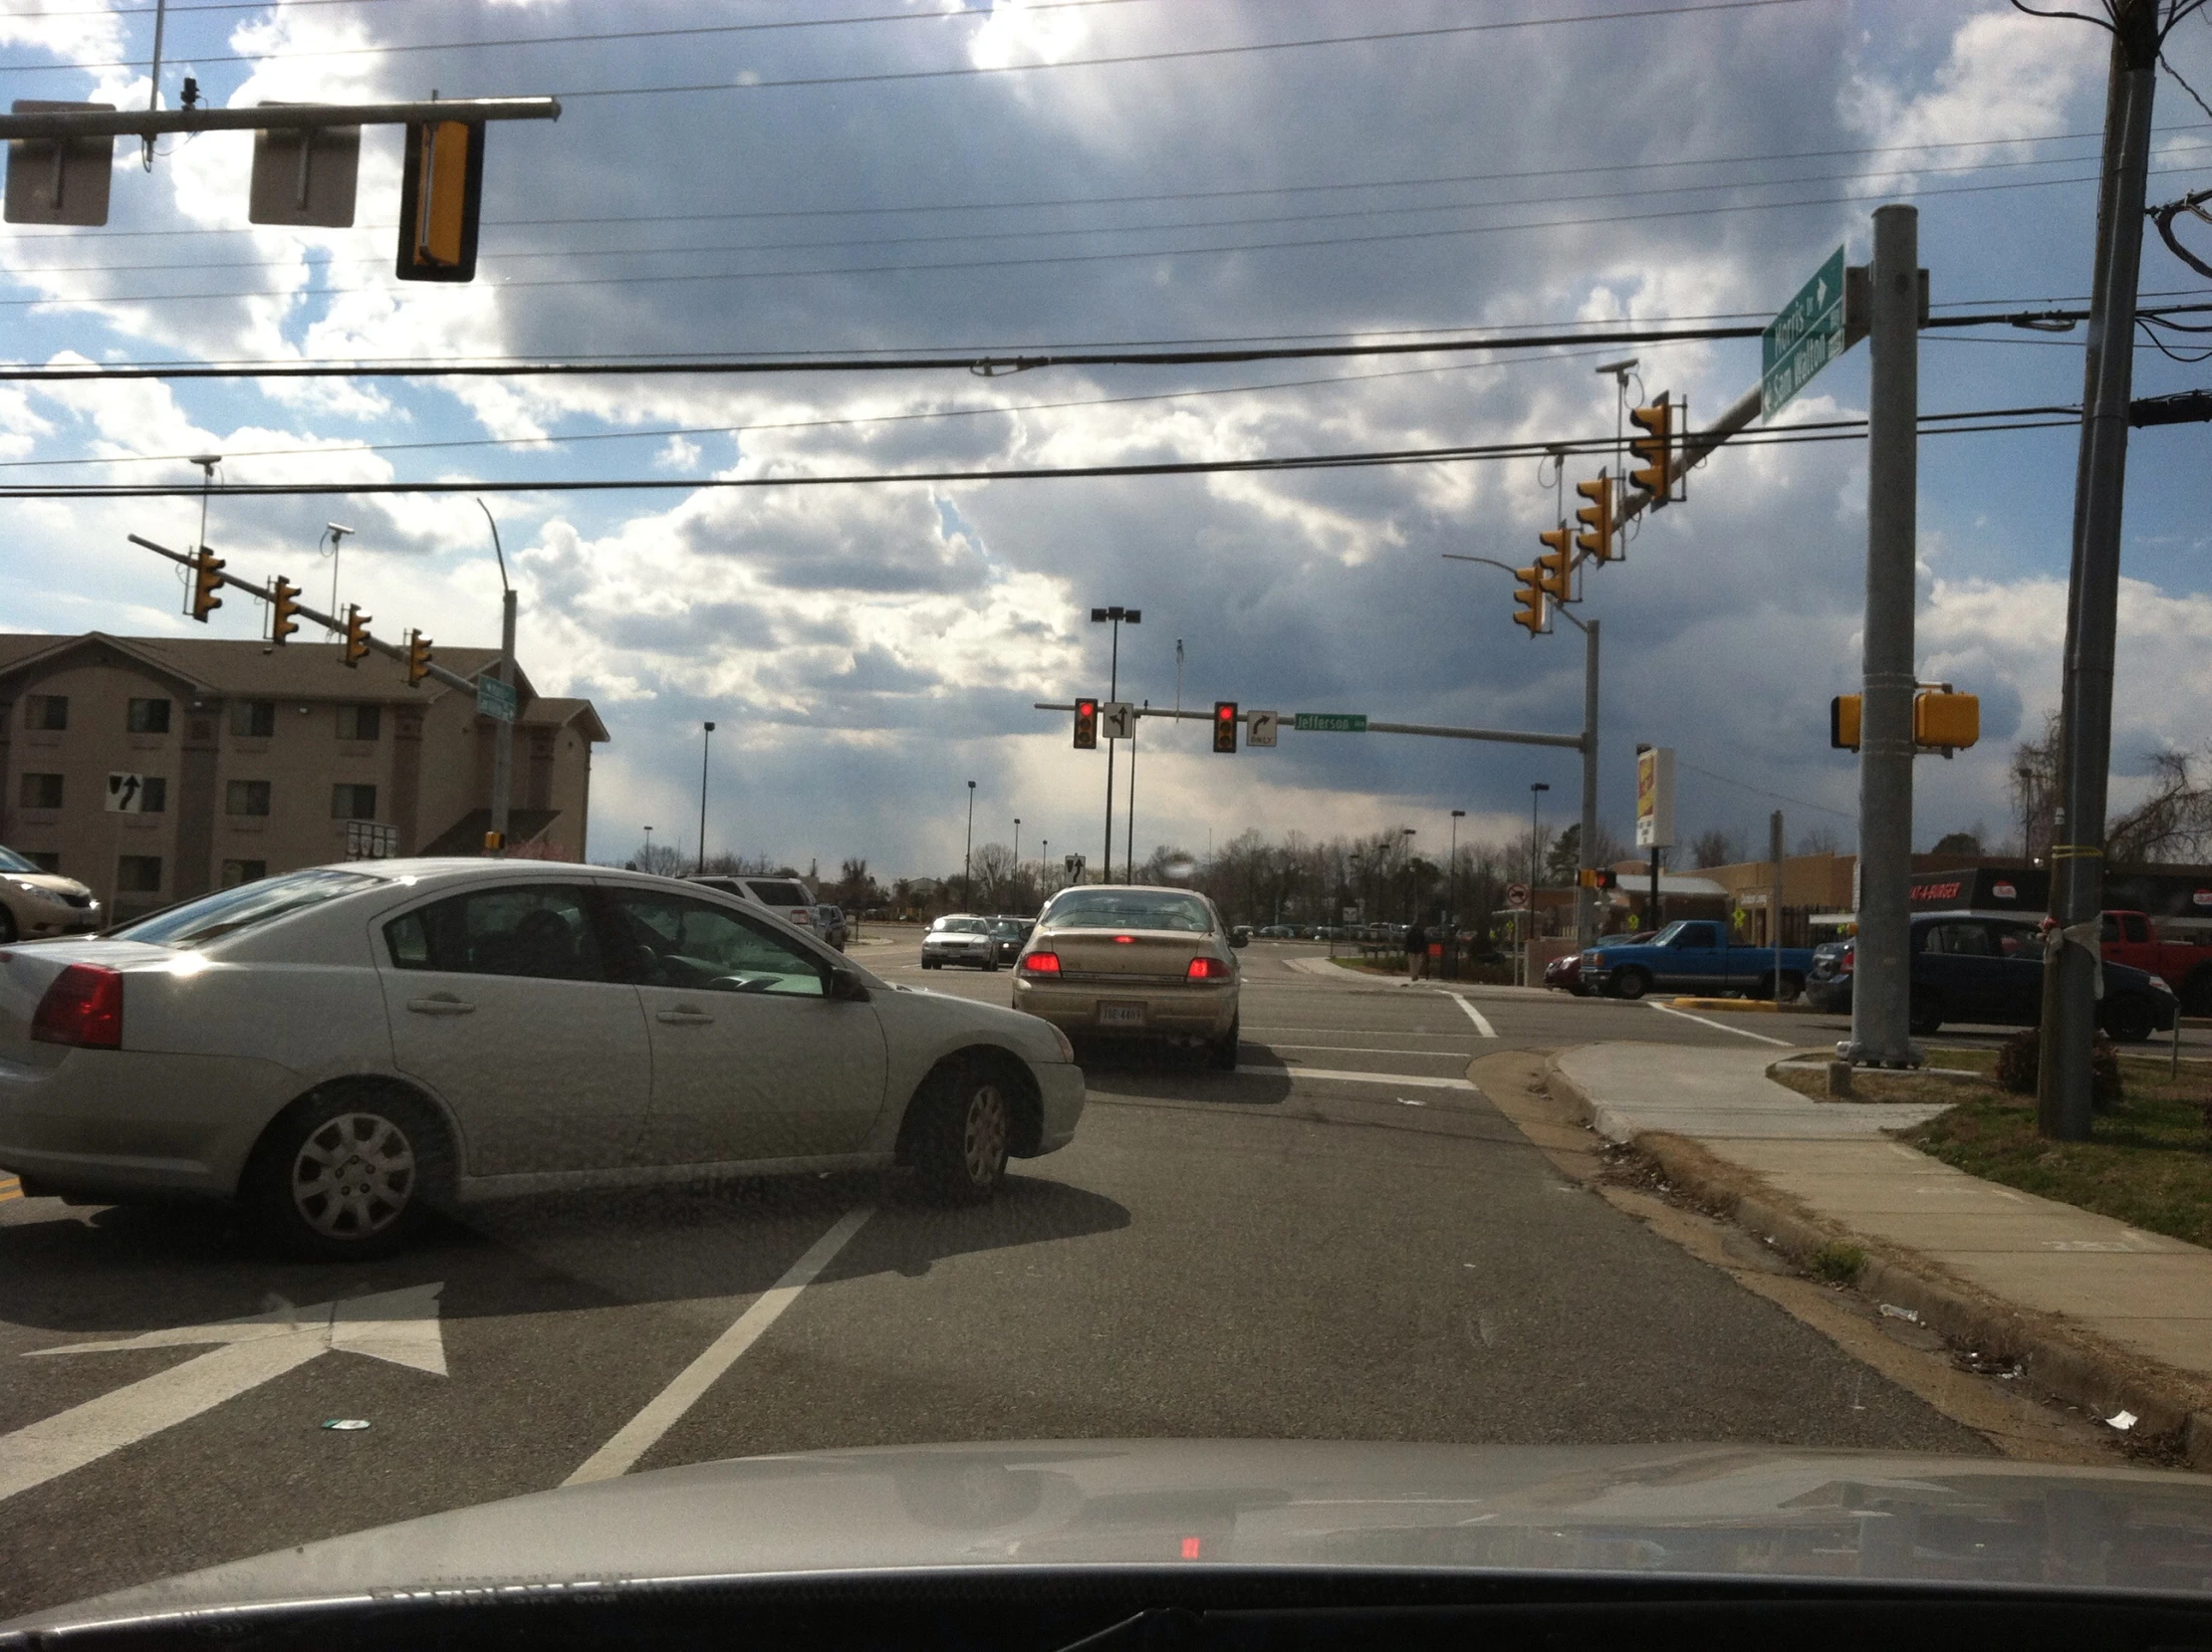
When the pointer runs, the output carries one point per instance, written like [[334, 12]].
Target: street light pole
[[706, 743], [968, 855], [1537, 788], [1016, 845], [503, 729], [1451, 878], [1100, 617]]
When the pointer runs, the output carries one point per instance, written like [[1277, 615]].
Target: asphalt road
[[1343, 1239]]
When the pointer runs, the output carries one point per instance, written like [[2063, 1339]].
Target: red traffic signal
[[1087, 725], [1225, 726]]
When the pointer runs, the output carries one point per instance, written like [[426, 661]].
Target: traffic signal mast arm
[[332, 624], [150, 123]]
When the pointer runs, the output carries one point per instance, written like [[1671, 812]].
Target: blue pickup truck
[[1694, 956]]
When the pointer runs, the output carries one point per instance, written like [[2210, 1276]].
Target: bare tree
[[1818, 840], [1717, 846], [2174, 823]]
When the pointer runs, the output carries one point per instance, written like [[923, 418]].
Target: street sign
[[1802, 338], [1117, 719], [1516, 895], [1261, 730], [1330, 722], [495, 699], [126, 793]]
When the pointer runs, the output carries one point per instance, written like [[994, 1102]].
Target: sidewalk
[[2104, 1315]]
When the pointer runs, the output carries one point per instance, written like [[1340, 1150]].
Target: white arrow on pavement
[[399, 1327]]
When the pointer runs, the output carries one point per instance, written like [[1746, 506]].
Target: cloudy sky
[[791, 177]]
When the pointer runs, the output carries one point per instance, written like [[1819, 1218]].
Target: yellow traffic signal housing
[[1555, 569], [1528, 598], [494, 842], [1087, 725], [1654, 449], [1946, 722], [441, 194], [284, 604], [1595, 539], [357, 634], [1599, 877], [1225, 726], [1843, 722], [207, 579], [418, 658]]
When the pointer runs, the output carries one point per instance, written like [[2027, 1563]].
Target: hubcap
[[983, 1141], [353, 1176]]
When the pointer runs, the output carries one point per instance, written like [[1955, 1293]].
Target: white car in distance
[[342, 1048]]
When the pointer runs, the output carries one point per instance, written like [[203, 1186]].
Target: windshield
[[1011, 856], [229, 910], [1129, 909]]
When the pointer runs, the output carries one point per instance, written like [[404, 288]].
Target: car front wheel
[[1630, 983], [963, 1120], [346, 1172], [2129, 1020]]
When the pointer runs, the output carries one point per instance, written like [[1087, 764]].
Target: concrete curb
[[1747, 1006], [2069, 1366]]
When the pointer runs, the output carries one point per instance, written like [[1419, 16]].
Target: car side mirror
[[847, 987]]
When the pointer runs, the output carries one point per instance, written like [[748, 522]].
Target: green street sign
[[1331, 722], [495, 699], [1804, 337]]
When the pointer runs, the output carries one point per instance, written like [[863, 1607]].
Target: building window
[[253, 719], [246, 796], [352, 802], [236, 872], [359, 721], [153, 795], [46, 711], [47, 861], [42, 790], [149, 717], [138, 874]]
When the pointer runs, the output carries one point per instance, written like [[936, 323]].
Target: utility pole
[[503, 729], [1129, 832], [1882, 985], [1537, 788], [967, 854], [1100, 617], [1774, 898], [706, 742], [2076, 854]]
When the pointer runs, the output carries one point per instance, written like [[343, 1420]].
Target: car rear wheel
[[1925, 1014], [2129, 1020], [346, 1172], [1630, 983], [1221, 1053], [964, 1119]]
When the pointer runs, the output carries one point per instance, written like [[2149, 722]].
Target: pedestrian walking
[[1416, 951]]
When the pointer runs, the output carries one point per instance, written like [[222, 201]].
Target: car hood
[[48, 880], [1704, 1510]]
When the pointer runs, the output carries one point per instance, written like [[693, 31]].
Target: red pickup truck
[[2186, 966]]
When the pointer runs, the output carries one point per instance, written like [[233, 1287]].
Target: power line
[[1761, 790], [973, 236], [939, 208], [1827, 431], [1293, 244]]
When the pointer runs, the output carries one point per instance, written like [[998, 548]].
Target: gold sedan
[[1132, 960]]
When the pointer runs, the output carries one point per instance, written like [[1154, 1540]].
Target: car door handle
[[440, 1003], [683, 1015]]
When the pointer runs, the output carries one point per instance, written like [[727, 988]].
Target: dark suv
[[1988, 968]]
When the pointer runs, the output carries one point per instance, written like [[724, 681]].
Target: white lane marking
[[1474, 1014], [1354, 1077], [401, 1326], [661, 1413], [1372, 1031], [1669, 1010], [1366, 1050]]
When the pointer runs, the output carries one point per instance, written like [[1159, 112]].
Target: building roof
[[252, 670]]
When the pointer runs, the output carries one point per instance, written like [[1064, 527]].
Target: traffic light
[[207, 579], [1944, 721], [418, 658], [357, 634], [441, 192], [1652, 478], [1087, 725], [1595, 539], [494, 842], [1529, 599], [1599, 877], [284, 602], [1555, 569], [1843, 722], [1225, 726]]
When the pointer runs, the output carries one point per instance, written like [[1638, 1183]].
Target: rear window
[[229, 910], [964, 926], [1129, 909], [772, 893]]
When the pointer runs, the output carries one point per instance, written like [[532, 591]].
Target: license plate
[[1121, 1015]]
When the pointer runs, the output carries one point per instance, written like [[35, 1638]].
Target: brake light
[[1844, 961], [1041, 963], [1125, 940], [83, 1007], [1206, 969]]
